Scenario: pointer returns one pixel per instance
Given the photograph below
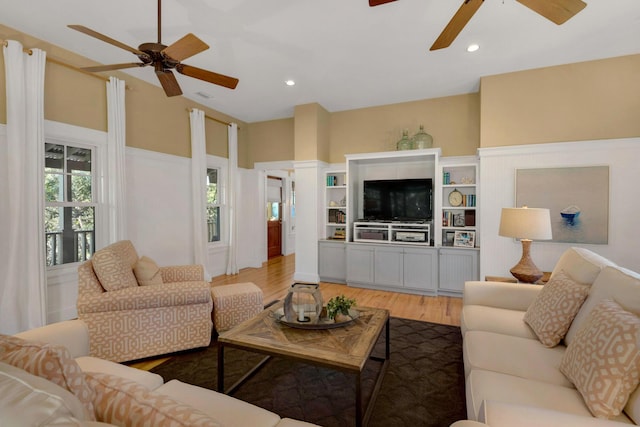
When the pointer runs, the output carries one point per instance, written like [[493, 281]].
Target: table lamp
[[526, 224]]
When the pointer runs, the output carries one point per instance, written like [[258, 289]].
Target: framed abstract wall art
[[578, 198]]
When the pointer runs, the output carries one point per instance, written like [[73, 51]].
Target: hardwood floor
[[276, 276]]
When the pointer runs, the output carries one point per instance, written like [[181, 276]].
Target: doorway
[[274, 216]]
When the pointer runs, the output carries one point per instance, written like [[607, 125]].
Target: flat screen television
[[398, 200]]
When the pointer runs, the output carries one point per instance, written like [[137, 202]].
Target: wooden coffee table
[[345, 349]]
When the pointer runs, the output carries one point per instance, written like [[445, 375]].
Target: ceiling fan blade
[[557, 11], [168, 82], [457, 23], [379, 2], [207, 76], [97, 35], [184, 48], [99, 68]]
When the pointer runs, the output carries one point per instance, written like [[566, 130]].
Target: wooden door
[[274, 237]]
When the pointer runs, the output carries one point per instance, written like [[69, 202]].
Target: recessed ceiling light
[[473, 47], [290, 83]]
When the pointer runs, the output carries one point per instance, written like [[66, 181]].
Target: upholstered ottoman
[[233, 304]]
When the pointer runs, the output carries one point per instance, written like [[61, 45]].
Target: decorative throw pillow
[[49, 361], [28, 400], [113, 272], [147, 272], [124, 402], [551, 313], [603, 361]]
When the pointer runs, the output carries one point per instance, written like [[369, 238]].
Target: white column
[[308, 219]]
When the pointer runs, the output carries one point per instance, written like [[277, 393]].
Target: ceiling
[[342, 54]]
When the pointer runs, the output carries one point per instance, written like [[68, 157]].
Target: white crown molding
[[557, 147], [309, 164], [72, 133], [154, 155], [279, 165]]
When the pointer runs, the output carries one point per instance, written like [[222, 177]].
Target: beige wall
[[453, 121], [271, 141], [154, 121], [589, 100], [311, 132], [581, 101]]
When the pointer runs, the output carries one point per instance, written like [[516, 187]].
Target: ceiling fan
[[163, 59], [557, 11]]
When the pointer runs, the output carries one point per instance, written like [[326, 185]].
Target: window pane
[[81, 188], [53, 219], [78, 161], [53, 155], [69, 234], [83, 218], [212, 186], [53, 184], [213, 224]]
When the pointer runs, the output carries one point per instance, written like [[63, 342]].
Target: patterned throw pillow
[[113, 272], [49, 361], [28, 400], [147, 272], [123, 402], [603, 361], [551, 313]]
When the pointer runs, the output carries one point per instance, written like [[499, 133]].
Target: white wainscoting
[[160, 213], [252, 222], [62, 293], [159, 207], [497, 190]]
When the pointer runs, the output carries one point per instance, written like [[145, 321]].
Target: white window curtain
[[232, 182], [116, 161], [22, 272], [198, 186]]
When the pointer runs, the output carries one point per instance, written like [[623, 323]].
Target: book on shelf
[[332, 180]]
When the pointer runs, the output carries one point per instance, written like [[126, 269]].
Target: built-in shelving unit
[[414, 257], [335, 204], [458, 213]]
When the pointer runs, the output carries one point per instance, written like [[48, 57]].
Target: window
[[213, 205], [70, 206]]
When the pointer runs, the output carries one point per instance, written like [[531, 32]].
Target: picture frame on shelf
[[449, 237], [464, 239], [458, 220]]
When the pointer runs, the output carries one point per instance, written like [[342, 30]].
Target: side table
[[543, 280]]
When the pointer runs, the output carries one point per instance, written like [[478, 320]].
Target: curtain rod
[[63, 64], [213, 118]]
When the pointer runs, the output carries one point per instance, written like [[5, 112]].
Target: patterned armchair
[[170, 310]]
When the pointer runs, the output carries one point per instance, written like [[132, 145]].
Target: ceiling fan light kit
[[557, 11], [163, 58]]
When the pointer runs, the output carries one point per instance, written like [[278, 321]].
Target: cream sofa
[[512, 379], [135, 309], [117, 394]]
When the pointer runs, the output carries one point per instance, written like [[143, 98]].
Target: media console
[[406, 233]]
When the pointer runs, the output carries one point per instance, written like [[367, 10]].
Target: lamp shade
[[525, 223]]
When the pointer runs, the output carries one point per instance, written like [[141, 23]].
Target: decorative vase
[[422, 139], [303, 303], [404, 143]]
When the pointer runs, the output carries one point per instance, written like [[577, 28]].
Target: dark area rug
[[423, 386]]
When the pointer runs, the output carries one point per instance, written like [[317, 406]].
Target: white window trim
[[222, 164], [65, 134]]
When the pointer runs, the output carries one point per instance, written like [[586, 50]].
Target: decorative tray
[[322, 323]]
